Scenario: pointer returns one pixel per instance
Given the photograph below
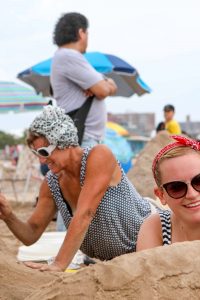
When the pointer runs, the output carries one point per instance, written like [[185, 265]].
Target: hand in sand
[[43, 267]]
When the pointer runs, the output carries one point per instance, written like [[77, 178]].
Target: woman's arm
[[28, 232], [150, 234], [99, 170]]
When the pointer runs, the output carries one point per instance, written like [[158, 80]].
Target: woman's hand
[[5, 208], [53, 267]]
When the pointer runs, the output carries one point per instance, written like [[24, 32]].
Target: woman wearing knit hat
[[101, 209], [176, 169]]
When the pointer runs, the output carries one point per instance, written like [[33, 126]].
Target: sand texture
[[141, 175]]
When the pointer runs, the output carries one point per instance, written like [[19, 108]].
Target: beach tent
[[120, 148]]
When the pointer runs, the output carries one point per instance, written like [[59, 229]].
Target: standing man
[[171, 125], [73, 79]]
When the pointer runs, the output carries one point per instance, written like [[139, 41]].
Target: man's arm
[[103, 88], [76, 68]]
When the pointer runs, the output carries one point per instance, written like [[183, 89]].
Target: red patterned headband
[[180, 141]]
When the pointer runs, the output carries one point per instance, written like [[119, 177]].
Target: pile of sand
[[159, 273], [18, 281], [141, 174]]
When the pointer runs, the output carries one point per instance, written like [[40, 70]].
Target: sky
[[159, 38]]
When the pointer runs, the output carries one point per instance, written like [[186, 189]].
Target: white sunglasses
[[44, 151]]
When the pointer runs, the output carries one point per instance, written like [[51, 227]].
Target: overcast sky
[[159, 38]]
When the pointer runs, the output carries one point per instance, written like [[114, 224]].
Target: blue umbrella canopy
[[126, 77], [18, 98]]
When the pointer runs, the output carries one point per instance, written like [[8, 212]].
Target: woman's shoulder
[[99, 159], [150, 234], [153, 220], [101, 150]]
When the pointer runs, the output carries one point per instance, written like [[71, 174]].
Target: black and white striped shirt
[[165, 218]]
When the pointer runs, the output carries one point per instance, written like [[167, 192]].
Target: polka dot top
[[114, 228]]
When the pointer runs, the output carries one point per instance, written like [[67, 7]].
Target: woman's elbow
[[85, 217], [28, 243]]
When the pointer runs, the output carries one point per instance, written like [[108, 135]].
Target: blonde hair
[[174, 152]]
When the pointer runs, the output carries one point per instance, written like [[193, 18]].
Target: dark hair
[[169, 107], [31, 137], [160, 126], [67, 28]]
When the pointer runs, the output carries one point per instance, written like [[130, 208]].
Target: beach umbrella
[[18, 98], [120, 148], [126, 76], [118, 128]]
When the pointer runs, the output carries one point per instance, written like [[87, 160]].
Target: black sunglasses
[[44, 151], [178, 189]]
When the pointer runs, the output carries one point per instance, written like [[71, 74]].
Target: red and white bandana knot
[[187, 142]]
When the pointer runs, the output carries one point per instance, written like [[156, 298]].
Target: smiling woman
[[176, 169]]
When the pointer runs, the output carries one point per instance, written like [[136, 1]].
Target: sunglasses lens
[[196, 183], [43, 152], [176, 189]]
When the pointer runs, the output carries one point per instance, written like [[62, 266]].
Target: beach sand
[[161, 273], [141, 174], [170, 272]]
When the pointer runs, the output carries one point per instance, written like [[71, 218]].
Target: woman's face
[[51, 160], [183, 168]]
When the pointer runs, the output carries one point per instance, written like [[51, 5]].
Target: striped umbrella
[[18, 98]]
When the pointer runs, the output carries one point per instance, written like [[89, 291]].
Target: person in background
[[160, 127], [176, 169], [171, 125], [14, 154], [101, 209], [73, 79]]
